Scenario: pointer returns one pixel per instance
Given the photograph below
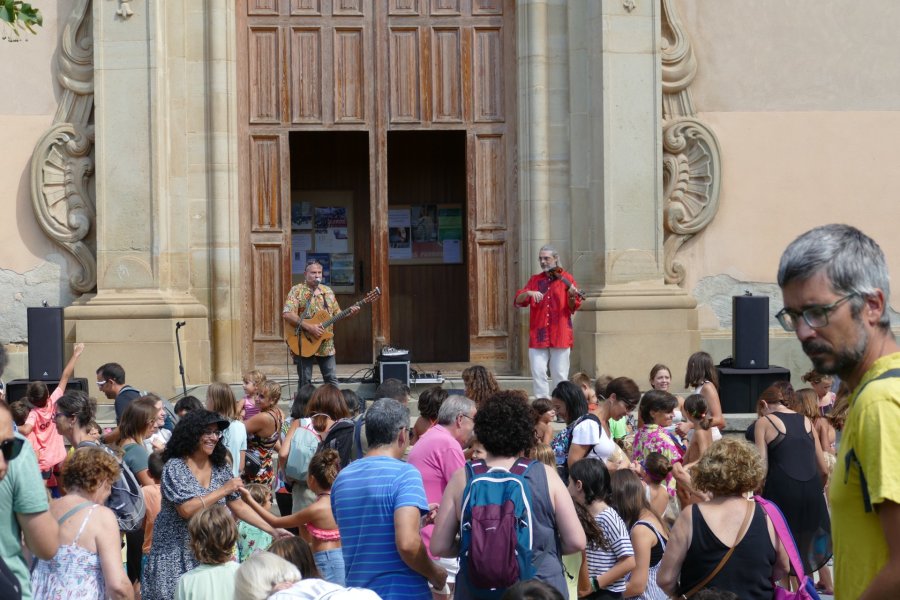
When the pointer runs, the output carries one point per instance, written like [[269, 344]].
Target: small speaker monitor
[[394, 370], [750, 332], [45, 343]]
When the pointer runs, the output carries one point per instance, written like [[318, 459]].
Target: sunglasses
[[100, 384], [11, 448]]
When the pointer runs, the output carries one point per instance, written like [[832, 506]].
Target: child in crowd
[[296, 551], [656, 469], [94, 431], [696, 410], [648, 534], [609, 556], [213, 535], [477, 450], [250, 538], [543, 453], [152, 502], [186, 405], [19, 410], [543, 430], [248, 406], [316, 520]]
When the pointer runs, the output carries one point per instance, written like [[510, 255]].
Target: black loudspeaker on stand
[[45, 343], [750, 332]]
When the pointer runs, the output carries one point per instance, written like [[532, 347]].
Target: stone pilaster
[[599, 197], [144, 219]]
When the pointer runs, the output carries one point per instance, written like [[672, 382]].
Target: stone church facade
[[669, 148]]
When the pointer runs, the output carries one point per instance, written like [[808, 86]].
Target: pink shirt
[[47, 443], [437, 456]]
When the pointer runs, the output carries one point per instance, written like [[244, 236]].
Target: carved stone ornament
[[124, 9], [692, 167], [62, 163]]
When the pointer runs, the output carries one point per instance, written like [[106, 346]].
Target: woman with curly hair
[[505, 425], [728, 470], [479, 383], [196, 475], [88, 563]]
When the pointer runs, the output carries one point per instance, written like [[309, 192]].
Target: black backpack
[[126, 499]]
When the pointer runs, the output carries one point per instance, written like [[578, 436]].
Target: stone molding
[[62, 163], [692, 167]]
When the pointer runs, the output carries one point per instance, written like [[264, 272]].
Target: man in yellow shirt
[[836, 291]]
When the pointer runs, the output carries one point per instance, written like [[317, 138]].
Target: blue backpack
[[496, 532]]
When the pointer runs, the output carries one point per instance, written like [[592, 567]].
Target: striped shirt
[[616, 533], [364, 497]]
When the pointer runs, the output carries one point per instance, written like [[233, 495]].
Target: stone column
[[632, 318], [144, 219]]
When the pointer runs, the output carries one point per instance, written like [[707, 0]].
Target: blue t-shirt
[[364, 497]]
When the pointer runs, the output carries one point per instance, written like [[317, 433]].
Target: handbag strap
[[744, 526], [784, 534]]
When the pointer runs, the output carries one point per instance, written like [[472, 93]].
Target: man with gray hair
[[553, 298], [836, 291], [378, 502], [439, 454]]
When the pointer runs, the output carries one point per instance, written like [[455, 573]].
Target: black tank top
[[749, 570], [794, 451]]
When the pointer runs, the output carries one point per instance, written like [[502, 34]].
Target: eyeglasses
[[815, 316], [214, 433], [100, 384], [468, 417], [11, 448], [56, 415]]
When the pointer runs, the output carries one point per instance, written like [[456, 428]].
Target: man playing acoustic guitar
[[305, 300]]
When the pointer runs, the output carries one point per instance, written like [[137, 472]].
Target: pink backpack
[[807, 589]]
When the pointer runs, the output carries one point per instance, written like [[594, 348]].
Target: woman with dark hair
[[701, 378], [795, 474], [610, 557], [648, 534], [591, 437], [505, 426], [220, 399], [657, 408], [75, 412], [728, 470], [301, 495], [430, 401], [136, 425], [196, 475], [479, 383]]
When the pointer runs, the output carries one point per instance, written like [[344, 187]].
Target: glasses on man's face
[[468, 417], [100, 384], [815, 316], [214, 433], [10, 448]]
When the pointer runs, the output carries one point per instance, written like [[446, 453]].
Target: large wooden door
[[376, 66]]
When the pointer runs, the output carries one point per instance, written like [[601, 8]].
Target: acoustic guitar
[[305, 345]]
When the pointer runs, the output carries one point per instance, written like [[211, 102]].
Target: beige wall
[[32, 268]]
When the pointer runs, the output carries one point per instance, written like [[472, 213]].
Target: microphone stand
[[178, 326]]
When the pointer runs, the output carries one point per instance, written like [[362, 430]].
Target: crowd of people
[[596, 490]]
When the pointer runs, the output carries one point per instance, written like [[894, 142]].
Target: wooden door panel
[[349, 76], [265, 75], [306, 8], [350, 8], [487, 73], [487, 7], [262, 8], [265, 183], [490, 182], [446, 78], [306, 75], [267, 292], [405, 71], [404, 8], [446, 8], [491, 307]]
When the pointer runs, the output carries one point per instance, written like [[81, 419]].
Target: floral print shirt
[[653, 438], [298, 302]]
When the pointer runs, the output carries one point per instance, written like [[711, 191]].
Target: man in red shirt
[[552, 304]]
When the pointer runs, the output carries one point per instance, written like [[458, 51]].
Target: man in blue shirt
[[378, 502]]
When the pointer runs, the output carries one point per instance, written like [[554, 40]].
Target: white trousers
[[558, 361]]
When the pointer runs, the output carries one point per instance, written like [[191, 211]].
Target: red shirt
[[550, 325]]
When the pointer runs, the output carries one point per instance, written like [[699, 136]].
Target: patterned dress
[[170, 555], [264, 448], [652, 438], [74, 573]]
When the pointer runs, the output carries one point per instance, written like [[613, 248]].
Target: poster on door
[[322, 230], [425, 234]]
